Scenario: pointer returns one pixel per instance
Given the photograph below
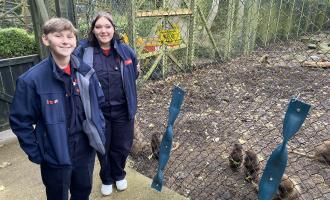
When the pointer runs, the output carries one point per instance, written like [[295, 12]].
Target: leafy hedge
[[16, 42], [83, 30]]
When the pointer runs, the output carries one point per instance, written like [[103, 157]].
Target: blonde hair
[[58, 25]]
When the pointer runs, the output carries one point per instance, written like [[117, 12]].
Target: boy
[[56, 116]]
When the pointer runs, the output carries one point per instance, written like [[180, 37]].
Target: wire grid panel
[[252, 58], [85, 10], [241, 101], [15, 13], [162, 37]]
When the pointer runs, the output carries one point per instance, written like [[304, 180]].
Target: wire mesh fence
[[250, 58], [240, 61], [244, 102], [15, 13]]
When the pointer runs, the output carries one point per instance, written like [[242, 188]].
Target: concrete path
[[20, 179]]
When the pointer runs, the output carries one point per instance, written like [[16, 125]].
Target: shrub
[[83, 30], [16, 42]]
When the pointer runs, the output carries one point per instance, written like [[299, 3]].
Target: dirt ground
[[243, 101]]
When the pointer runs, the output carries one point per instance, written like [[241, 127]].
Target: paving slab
[[21, 179]]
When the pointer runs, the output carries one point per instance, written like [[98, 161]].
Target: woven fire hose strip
[[166, 144], [276, 164]]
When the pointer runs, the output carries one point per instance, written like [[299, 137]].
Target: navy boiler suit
[[47, 115], [58, 180], [119, 128]]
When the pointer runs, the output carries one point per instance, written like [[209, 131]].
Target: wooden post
[[152, 68], [208, 31], [40, 5], [164, 46], [131, 24], [191, 40], [58, 8], [25, 13], [39, 17], [72, 12], [65, 9]]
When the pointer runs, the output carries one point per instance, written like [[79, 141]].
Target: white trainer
[[121, 185], [106, 190]]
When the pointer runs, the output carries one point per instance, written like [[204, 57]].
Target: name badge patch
[[128, 61], [51, 102]]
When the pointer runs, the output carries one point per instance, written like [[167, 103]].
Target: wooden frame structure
[[243, 26], [164, 52]]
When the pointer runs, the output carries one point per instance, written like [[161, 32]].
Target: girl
[[115, 64]]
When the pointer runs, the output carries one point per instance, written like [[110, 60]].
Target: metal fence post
[[191, 41], [131, 24], [39, 17]]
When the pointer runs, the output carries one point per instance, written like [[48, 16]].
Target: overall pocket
[[53, 107]]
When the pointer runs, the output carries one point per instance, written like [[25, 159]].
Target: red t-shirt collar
[[67, 69], [106, 52]]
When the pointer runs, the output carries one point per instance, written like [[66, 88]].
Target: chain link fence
[[249, 61], [15, 13], [240, 62]]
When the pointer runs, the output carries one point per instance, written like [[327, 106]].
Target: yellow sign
[[170, 37]]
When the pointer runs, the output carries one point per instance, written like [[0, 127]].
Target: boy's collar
[[74, 63]]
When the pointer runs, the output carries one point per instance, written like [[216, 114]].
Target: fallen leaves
[[175, 146], [241, 141], [5, 164]]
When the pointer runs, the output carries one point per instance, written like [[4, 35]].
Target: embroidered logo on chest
[[128, 61], [51, 102]]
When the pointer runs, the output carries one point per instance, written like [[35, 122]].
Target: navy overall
[[119, 128], [62, 126], [78, 177]]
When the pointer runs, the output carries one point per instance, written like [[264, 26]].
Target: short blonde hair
[[58, 25]]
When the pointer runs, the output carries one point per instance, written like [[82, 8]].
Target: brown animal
[[139, 141], [264, 59], [287, 190], [322, 153], [155, 145], [236, 157], [252, 166]]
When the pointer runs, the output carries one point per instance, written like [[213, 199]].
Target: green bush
[[16, 42], [83, 30]]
